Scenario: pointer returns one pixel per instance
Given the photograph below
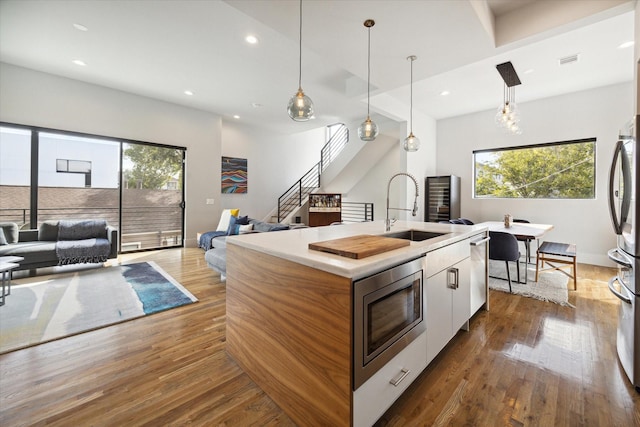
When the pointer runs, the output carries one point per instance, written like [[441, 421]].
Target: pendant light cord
[[368, 69], [300, 50], [411, 100]]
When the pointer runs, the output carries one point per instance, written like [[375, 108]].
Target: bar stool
[[549, 252]]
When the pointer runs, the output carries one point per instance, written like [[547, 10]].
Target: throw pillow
[[243, 220], [248, 228], [223, 225], [234, 227], [11, 232], [3, 240], [48, 231]]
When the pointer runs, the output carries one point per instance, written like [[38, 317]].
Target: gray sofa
[[59, 243], [216, 250]]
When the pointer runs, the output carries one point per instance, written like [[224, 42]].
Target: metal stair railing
[[295, 196], [357, 211], [333, 147]]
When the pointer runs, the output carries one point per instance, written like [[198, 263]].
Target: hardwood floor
[[525, 362]]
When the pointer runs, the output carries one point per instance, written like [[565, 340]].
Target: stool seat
[[549, 252]]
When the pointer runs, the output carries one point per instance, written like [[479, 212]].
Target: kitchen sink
[[413, 235]]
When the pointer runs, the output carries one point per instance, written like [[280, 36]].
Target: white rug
[[46, 308], [551, 285]]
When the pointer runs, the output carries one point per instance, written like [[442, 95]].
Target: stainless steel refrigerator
[[624, 182]]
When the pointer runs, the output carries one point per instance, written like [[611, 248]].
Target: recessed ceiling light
[[235, 116], [529, 71], [626, 44], [188, 92], [80, 27], [251, 39], [444, 93], [79, 62]]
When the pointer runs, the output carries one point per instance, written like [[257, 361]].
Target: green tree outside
[[153, 167], [559, 171]]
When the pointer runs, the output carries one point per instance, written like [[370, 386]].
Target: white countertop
[[293, 245]]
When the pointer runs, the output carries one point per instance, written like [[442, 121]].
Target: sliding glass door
[[78, 178], [152, 196], [135, 186], [15, 175]]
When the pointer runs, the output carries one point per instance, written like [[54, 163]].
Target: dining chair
[[504, 247]]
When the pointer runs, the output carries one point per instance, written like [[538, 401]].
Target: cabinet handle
[[403, 374], [452, 281]]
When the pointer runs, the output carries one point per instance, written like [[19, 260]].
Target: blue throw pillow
[[243, 220], [234, 226]]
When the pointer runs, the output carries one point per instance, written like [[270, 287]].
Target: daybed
[[59, 243], [215, 242]]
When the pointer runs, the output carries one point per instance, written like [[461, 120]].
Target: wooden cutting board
[[360, 246]]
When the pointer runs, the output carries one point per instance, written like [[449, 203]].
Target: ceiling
[[160, 49]]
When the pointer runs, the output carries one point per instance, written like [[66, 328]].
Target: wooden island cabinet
[[290, 317]]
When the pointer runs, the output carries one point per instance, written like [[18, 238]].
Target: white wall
[[598, 113], [38, 99], [274, 163]]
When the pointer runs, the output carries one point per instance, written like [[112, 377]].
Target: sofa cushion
[[267, 226], [217, 259], [33, 252], [10, 231], [48, 231]]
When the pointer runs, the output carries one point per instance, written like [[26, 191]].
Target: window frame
[[592, 140]]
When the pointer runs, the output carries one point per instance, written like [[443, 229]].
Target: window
[[48, 174], [559, 170]]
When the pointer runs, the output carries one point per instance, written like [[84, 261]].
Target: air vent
[[568, 59]]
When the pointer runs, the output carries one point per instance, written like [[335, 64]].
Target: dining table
[[523, 231]]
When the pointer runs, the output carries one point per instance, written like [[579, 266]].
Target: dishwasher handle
[[479, 242], [616, 292]]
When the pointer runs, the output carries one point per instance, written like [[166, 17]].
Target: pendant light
[[368, 130], [300, 107], [411, 142], [508, 115]]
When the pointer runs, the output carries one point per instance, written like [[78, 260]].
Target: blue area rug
[[47, 308]]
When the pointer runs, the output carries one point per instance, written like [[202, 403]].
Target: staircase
[[292, 199]]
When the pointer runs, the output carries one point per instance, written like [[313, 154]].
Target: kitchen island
[[290, 315]]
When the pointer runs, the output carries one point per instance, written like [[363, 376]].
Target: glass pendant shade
[[508, 114], [368, 130], [411, 143], [300, 107]]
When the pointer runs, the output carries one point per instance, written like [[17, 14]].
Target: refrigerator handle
[[617, 152], [616, 292], [620, 259]]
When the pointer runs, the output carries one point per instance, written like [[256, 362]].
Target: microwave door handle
[[617, 293], [617, 226]]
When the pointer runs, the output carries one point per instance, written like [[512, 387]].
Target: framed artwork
[[234, 175]]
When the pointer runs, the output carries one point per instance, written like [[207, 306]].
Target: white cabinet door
[[448, 305], [461, 301], [439, 300]]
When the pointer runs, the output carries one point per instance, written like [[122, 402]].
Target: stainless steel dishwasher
[[479, 271]]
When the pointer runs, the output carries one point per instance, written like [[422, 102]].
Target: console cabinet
[[324, 209]]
